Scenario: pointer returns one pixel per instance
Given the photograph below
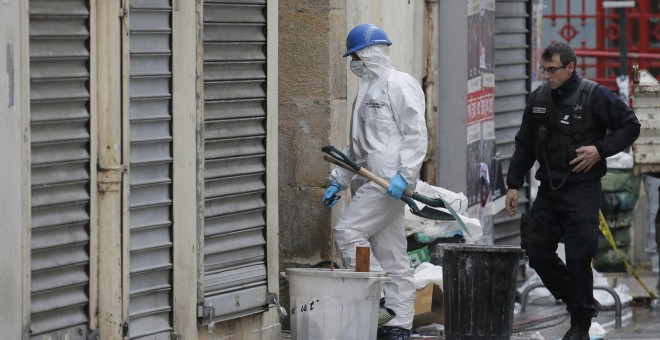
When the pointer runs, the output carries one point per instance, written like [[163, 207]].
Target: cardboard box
[[429, 306]]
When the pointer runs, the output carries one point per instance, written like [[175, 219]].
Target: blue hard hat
[[365, 35]]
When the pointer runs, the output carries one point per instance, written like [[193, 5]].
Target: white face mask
[[358, 68]]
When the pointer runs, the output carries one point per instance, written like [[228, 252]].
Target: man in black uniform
[[570, 125]]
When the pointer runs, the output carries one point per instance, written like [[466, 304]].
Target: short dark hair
[[566, 53]]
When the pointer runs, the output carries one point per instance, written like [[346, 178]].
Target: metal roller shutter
[[60, 168], [234, 157], [150, 199], [511, 88]]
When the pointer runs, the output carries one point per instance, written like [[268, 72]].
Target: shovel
[[338, 158]]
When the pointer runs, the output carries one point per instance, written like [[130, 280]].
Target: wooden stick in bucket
[[362, 257]]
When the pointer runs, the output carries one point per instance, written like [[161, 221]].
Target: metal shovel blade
[[427, 212]]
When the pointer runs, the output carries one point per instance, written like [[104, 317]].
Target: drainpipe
[[430, 78]]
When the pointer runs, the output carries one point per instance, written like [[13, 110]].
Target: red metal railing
[[599, 60]]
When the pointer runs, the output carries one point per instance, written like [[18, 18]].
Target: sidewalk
[[547, 320]]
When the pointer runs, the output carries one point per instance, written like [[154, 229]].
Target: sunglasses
[[550, 69]]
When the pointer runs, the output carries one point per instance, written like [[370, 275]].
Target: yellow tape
[[605, 229]]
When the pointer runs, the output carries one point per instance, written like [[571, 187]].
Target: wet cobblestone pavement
[[640, 320]]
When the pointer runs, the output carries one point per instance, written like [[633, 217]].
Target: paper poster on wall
[[537, 30], [480, 113], [481, 20]]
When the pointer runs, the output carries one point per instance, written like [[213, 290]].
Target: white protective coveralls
[[388, 135]]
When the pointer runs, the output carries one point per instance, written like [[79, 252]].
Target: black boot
[[384, 314], [576, 333], [394, 333]]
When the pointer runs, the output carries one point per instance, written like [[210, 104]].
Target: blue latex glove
[[397, 186], [330, 196]]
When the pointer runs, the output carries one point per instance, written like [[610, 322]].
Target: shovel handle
[[365, 173], [336, 157], [341, 157], [408, 194]]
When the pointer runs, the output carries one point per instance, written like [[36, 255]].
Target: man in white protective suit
[[388, 137]]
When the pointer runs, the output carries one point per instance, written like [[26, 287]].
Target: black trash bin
[[479, 283]]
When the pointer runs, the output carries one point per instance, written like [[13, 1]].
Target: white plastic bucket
[[334, 304]]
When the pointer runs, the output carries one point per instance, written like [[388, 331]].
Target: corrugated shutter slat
[[234, 156], [511, 76], [60, 173], [150, 201]]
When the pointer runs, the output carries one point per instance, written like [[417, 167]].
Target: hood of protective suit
[[377, 60]]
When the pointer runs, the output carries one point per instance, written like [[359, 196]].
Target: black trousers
[[568, 215]]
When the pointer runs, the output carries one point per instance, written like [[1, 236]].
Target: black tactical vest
[[561, 127]]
